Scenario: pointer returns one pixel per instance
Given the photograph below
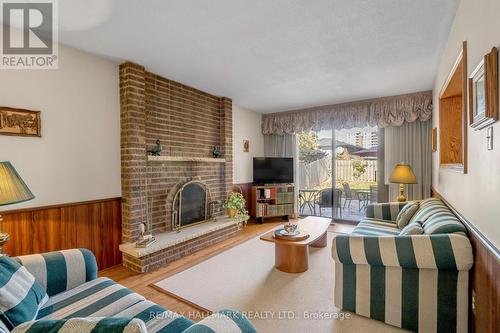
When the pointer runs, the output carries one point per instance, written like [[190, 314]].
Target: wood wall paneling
[[246, 190], [19, 226], [94, 225], [47, 230], [485, 278], [485, 288]]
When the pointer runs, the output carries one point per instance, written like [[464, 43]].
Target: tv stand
[[275, 200]]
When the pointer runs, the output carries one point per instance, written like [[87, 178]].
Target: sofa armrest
[[224, 321], [61, 270], [386, 211], [442, 251], [94, 324]]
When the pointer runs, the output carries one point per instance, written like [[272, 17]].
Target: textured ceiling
[[274, 55]]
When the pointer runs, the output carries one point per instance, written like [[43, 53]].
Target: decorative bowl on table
[[290, 228]]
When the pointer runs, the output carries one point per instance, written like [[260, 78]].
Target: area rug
[[244, 278]]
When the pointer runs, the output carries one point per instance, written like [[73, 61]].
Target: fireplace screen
[[190, 205]]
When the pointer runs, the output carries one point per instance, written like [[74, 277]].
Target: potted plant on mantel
[[234, 205]]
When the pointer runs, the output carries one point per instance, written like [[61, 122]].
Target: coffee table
[[293, 256]]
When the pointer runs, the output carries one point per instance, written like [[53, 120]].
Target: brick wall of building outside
[[188, 122]]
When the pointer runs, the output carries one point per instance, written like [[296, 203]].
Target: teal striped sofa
[[417, 282], [70, 280]]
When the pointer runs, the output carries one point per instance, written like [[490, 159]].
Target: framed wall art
[[19, 122], [483, 92]]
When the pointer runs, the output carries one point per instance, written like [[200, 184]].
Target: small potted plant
[[235, 208], [234, 204]]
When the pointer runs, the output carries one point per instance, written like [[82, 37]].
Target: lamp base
[[401, 197]]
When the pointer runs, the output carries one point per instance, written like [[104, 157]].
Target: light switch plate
[[489, 138]]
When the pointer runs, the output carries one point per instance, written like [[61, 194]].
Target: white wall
[[246, 126], [476, 194], [78, 156]]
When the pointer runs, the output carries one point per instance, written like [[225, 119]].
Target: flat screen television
[[272, 170]]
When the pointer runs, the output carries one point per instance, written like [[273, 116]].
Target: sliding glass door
[[338, 172]]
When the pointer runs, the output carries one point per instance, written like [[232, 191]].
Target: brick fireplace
[[188, 122]]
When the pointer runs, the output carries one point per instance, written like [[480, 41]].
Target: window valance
[[382, 112]]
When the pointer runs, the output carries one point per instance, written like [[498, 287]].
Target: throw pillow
[[414, 228], [20, 295], [406, 214], [90, 324]]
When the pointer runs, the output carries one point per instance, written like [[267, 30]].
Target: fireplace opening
[[190, 205]]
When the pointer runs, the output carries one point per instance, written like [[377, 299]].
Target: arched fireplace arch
[[191, 205]]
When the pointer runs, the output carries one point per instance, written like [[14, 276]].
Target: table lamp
[[402, 174], [12, 190]]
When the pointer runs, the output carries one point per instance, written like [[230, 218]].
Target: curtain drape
[[410, 143], [381, 112], [285, 145]]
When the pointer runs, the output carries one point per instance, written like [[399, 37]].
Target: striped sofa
[[70, 280], [417, 282]]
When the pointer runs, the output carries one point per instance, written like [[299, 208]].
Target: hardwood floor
[[142, 283]]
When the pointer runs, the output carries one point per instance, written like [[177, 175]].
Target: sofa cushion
[[387, 211], [59, 271], [414, 228], [444, 223], [377, 227], [21, 297], [3, 328], [428, 207], [83, 325], [224, 321], [156, 318], [406, 214], [101, 297]]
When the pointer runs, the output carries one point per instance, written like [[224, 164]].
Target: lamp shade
[[12, 187], [403, 174]]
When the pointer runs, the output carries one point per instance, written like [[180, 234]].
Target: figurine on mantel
[[156, 150], [216, 151], [146, 239]]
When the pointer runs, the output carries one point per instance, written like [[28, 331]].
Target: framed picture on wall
[[246, 146], [19, 122], [483, 92]]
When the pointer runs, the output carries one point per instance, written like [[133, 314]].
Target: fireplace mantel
[[185, 159]]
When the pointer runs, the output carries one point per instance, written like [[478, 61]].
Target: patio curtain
[[410, 143], [381, 112], [284, 145]]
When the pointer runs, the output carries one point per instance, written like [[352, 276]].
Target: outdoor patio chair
[[324, 199], [351, 195]]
